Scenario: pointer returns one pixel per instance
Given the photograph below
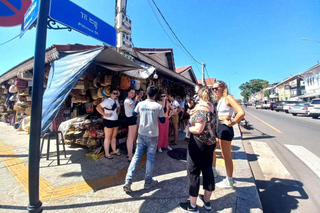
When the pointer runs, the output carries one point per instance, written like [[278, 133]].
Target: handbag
[[125, 83]]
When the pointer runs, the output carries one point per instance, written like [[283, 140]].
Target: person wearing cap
[[131, 120], [150, 112], [109, 109]]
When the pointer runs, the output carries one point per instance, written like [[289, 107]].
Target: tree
[[251, 87]]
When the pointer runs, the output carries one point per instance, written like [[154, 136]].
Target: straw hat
[[96, 82], [94, 95], [13, 89], [107, 90], [99, 93]]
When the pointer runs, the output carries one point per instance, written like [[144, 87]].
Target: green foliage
[[251, 87], [266, 93]]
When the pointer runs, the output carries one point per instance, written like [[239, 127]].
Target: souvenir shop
[[73, 90]]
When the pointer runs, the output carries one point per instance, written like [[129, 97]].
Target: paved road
[[284, 153]]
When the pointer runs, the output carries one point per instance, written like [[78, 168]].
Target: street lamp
[[305, 39], [229, 81]]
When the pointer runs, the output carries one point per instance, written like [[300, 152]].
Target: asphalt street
[[284, 152]]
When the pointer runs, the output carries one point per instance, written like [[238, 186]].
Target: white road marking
[[310, 159], [270, 165]]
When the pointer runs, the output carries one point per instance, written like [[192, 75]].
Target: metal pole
[[203, 78], [35, 204]]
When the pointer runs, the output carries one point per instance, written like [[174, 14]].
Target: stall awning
[[65, 73]]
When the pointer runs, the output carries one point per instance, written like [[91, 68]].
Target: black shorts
[[225, 132], [110, 123], [132, 120]]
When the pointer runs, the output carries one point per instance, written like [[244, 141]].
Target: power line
[[174, 33], [9, 40], [208, 75]]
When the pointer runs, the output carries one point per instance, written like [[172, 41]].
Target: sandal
[[117, 153], [109, 157], [173, 143]]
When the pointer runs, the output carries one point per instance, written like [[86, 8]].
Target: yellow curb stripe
[[272, 127]]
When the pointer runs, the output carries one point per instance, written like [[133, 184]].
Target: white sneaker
[[159, 150], [225, 184], [169, 148]]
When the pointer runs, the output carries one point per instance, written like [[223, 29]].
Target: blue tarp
[[64, 74]]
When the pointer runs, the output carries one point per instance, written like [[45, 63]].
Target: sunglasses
[[115, 93], [215, 88], [162, 96]]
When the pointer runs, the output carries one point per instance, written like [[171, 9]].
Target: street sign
[[30, 17], [12, 11], [77, 18]]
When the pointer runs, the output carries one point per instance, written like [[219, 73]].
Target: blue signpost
[[30, 17], [77, 18]]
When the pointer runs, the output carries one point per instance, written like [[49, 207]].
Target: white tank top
[[223, 109]]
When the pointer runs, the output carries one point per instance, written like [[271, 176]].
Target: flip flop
[[109, 157]]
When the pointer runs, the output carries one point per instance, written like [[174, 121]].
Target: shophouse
[[311, 79]]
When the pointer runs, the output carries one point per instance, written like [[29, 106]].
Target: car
[[287, 104], [273, 105], [299, 108], [266, 105], [314, 108], [258, 105], [279, 106]]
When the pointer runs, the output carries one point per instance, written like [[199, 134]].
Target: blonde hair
[[205, 94], [225, 92]]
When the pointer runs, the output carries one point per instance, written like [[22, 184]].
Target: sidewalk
[[82, 184]]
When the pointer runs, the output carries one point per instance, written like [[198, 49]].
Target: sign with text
[[77, 18], [30, 17]]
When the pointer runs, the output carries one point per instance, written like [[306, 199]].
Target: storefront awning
[[65, 73], [309, 95]]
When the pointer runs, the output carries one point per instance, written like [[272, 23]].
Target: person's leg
[[175, 131], [207, 173], [131, 136], [107, 140], [114, 139], [151, 143], [226, 153], [214, 154], [141, 149]]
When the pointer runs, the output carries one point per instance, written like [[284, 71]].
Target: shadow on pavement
[[280, 195]]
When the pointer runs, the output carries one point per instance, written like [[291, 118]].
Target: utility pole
[[203, 78], [35, 204]]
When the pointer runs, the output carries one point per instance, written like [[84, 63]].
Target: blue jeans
[[144, 144]]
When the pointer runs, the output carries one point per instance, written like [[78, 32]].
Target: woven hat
[[93, 93], [107, 90], [99, 93], [96, 82], [13, 89]]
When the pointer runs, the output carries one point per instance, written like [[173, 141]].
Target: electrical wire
[[208, 74], [9, 40], [174, 33]]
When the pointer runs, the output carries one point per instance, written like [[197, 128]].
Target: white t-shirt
[[108, 103], [150, 112], [127, 108], [175, 104]]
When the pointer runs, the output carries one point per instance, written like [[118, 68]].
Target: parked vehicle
[[266, 105], [279, 106], [273, 105], [258, 105], [287, 104], [314, 108], [299, 108]]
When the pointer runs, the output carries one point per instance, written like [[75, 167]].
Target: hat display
[[93, 93], [107, 90], [13, 89], [99, 93]]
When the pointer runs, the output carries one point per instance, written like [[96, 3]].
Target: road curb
[[248, 199]]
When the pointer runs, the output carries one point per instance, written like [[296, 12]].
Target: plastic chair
[[53, 134]]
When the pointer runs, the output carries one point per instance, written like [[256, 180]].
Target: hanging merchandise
[[93, 93], [132, 83], [88, 84], [23, 91], [25, 75], [20, 83], [137, 85], [79, 85], [99, 93], [107, 90], [89, 107], [106, 81], [125, 83], [97, 81]]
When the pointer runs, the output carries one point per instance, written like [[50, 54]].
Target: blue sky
[[237, 40]]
